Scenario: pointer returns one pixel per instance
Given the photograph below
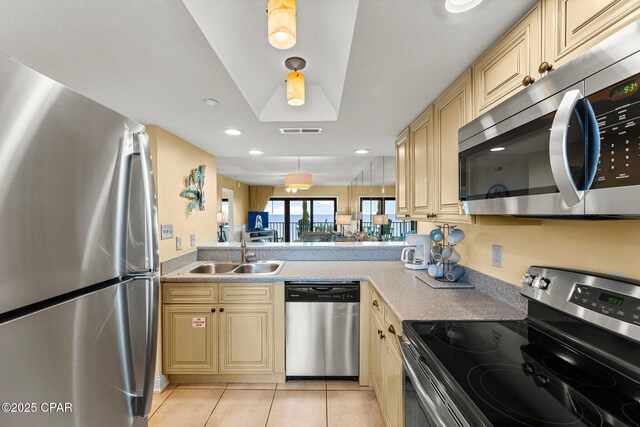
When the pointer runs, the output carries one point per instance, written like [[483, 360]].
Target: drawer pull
[[392, 329], [375, 303], [221, 310], [213, 310], [527, 81]]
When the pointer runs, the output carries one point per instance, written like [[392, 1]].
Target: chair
[[386, 228], [303, 226]]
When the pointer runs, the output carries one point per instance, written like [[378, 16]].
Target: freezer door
[[88, 357], [64, 160]]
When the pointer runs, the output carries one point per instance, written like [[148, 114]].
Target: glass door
[[292, 216]]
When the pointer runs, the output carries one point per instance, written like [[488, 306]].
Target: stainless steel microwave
[[567, 146]]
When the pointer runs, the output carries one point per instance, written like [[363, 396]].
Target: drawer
[[392, 326], [189, 293], [376, 304], [246, 293]]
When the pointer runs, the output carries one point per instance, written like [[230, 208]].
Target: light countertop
[[407, 296]]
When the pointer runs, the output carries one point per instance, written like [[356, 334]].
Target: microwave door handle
[[558, 148]]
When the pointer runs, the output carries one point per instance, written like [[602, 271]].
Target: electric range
[[574, 361]]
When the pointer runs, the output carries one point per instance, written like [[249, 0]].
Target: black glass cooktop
[[518, 375]]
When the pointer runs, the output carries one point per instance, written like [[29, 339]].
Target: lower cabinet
[[190, 339], [214, 338], [246, 339], [386, 366]]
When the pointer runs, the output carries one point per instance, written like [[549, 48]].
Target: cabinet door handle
[[221, 310], [392, 329], [382, 336], [213, 310], [545, 67], [527, 80], [375, 303], [380, 332]]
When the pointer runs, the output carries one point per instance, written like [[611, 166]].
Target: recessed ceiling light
[[361, 151], [498, 149], [233, 132], [460, 6], [256, 152], [211, 102]]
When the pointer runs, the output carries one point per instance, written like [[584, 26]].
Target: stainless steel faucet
[[243, 247]]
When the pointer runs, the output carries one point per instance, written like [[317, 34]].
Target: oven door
[[426, 401], [537, 162]]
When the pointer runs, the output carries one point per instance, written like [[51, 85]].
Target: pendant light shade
[[380, 219], [281, 23], [298, 180], [295, 89]]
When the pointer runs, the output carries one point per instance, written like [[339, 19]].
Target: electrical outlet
[[193, 240], [496, 256], [178, 243], [166, 231]]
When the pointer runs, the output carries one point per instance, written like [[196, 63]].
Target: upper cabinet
[[402, 170], [510, 65], [551, 34], [452, 110], [421, 168], [573, 26]]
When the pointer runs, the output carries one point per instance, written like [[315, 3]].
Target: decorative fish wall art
[[194, 191]]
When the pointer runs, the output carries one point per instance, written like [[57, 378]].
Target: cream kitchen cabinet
[[403, 190], [573, 26], [452, 110], [231, 335], [190, 344], [421, 170], [386, 361], [246, 339], [510, 65]]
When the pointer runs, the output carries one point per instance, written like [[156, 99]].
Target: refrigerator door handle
[[150, 209], [142, 405]]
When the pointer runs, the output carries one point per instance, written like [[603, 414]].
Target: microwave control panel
[[617, 110]]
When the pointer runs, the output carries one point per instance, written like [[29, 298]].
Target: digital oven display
[[611, 299], [624, 89]]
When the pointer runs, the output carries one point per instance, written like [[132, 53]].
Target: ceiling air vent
[[299, 131]]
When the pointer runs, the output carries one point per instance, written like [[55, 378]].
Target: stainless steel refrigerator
[[79, 277]]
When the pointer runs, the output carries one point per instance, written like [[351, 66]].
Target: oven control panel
[[610, 304]]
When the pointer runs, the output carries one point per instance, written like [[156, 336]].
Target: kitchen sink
[[214, 268], [260, 267]]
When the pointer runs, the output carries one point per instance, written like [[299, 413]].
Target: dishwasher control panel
[[322, 292]]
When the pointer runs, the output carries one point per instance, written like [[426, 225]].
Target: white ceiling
[[149, 60], [238, 36]]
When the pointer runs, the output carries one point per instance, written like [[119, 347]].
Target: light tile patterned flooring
[[295, 404]]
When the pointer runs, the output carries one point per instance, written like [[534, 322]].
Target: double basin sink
[[233, 268]]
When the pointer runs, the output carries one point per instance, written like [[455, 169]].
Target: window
[[370, 206], [285, 215]]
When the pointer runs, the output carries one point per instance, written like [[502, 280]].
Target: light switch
[[166, 231], [178, 243]]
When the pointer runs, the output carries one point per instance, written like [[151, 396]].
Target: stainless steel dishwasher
[[322, 329]]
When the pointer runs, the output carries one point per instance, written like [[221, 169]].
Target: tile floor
[[296, 403]]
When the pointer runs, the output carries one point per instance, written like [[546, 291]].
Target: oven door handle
[[558, 148], [421, 393]]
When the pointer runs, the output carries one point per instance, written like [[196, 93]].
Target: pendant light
[[295, 81], [281, 23], [381, 219], [298, 181]]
